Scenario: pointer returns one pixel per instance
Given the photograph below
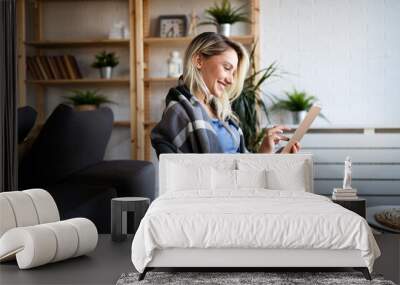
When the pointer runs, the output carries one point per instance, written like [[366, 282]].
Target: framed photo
[[172, 26]]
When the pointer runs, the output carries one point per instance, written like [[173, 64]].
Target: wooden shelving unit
[[40, 44], [161, 79], [85, 81], [185, 40], [79, 43], [144, 41]]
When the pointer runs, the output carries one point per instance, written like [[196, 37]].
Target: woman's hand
[[295, 147], [273, 136]]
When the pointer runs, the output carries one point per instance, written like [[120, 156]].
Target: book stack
[[53, 67], [344, 194]]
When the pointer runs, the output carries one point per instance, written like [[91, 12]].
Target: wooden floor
[[103, 266]]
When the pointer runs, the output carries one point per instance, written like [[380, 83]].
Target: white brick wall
[[345, 52]]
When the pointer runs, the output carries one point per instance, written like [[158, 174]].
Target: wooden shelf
[[127, 124], [78, 43], [124, 124], [184, 40], [149, 125], [91, 81], [161, 79], [77, 0]]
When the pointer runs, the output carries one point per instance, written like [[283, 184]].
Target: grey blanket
[[185, 126]]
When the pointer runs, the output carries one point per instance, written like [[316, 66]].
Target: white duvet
[[252, 218]]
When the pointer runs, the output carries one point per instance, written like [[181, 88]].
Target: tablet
[[303, 127]]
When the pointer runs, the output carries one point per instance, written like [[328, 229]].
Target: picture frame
[[172, 26]]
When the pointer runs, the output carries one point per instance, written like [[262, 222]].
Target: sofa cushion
[[45, 243], [26, 208]]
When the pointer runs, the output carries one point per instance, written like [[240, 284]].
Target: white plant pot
[[106, 72], [224, 29], [302, 115], [298, 117]]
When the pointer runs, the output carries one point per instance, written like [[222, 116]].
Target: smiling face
[[218, 71]]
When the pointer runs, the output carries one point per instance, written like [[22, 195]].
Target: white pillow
[[225, 179], [284, 172], [293, 178], [183, 177], [251, 178]]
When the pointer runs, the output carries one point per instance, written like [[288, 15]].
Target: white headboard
[[232, 161]]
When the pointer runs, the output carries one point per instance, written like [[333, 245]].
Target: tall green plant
[[249, 106]]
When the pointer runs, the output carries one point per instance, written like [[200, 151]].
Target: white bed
[[220, 210]]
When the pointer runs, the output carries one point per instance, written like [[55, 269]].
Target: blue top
[[227, 134]]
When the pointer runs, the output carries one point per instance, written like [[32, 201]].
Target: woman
[[198, 117]]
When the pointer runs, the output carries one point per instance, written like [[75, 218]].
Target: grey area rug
[[269, 278]]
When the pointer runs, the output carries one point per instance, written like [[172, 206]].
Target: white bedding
[[252, 218]]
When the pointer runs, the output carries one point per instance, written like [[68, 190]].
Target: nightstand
[[357, 206], [119, 208]]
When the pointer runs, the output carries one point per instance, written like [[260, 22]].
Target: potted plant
[[105, 62], [297, 102], [249, 106], [87, 100], [223, 16]]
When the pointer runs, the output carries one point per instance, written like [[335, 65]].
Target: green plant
[[87, 97], [104, 59], [249, 106], [296, 101], [224, 14]]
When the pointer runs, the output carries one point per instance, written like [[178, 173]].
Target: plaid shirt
[[185, 126]]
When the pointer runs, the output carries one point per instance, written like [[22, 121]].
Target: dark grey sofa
[[66, 159]]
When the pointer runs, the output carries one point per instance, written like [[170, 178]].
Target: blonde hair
[[209, 44]]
